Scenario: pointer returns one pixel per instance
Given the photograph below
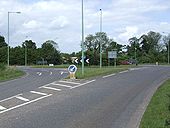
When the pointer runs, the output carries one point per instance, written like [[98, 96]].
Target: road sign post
[[112, 55], [72, 70]]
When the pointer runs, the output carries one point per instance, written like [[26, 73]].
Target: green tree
[[50, 53], [2, 42]]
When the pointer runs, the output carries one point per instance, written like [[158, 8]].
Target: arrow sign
[[72, 68], [87, 61], [76, 60]]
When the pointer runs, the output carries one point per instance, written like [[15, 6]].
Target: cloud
[[32, 25], [42, 20]]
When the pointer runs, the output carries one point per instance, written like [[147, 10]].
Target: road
[[112, 101]]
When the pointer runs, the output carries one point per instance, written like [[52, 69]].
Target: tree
[[30, 50], [50, 53], [2, 42]]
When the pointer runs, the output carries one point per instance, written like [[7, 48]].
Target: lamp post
[[100, 38], [26, 52], [168, 47], [8, 36], [82, 38]]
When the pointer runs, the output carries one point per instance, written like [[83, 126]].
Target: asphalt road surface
[[43, 100]]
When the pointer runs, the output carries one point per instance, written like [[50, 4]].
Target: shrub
[[2, 66]]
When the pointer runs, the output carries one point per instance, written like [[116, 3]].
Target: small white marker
[[40, 74], [2, 108], [22, 98], [61, 73], [40, 93], [51, 73], [51, 88]]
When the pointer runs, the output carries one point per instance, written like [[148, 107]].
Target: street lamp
[[100, 38], [82, 38], [168, 47], [26, 52], [8, 36]]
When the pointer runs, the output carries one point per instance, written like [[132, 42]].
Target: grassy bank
[[10, 73], [92, 72], [157, 114]]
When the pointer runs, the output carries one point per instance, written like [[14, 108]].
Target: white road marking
[[40, 74], [40, 93], [62, 85], [22, 98], [62, 72], [109, 75], [10, 98], [69, 82], [2, 108], [82, 84], [6, 110], [51, 73], [124, 71], [51, 88]]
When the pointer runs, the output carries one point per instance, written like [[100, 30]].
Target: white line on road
[[6, 110], [69, 82], [22, 98], [124, 71], [51, 88], [10, 98], [82, 84], [40, 74], [109, 75], [62, 85], [40, 93], [2, 108], [51, 73]]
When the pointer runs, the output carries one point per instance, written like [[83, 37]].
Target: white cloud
[[32, 24], [41, 20]]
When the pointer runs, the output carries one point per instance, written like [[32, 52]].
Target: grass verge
[[92, 72], [157, 114], [10, 73]]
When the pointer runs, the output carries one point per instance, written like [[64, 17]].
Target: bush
[[2, 66]]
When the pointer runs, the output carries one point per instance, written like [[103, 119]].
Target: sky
[[60, 20]]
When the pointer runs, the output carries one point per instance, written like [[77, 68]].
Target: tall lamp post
[[168, 47], [100, 38], [26, 52], [8, 36], [82, 38]]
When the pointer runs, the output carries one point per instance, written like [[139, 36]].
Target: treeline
[[47, 53], [149, 48]]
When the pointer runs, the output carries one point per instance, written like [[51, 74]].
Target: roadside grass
[[157, 114], [94, 71], [10, 73]]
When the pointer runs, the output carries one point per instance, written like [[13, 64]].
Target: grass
[[157, 114], [10, 73], [95, 71]]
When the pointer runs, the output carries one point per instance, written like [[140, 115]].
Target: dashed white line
[[2, 108], [109, 75], [69, 82], [82, 84], [22, 98], [62, 85], [124, 71], [40, 93], [6, 110], [51, 88]]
